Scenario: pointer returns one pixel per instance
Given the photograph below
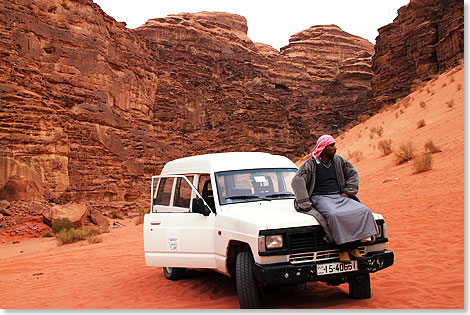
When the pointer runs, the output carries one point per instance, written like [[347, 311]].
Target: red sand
[[424, 213]]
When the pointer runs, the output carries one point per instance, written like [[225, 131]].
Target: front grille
[[320, 256], [306, 240]]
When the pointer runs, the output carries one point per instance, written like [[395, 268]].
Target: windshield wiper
[[284, 194], [246, 197]]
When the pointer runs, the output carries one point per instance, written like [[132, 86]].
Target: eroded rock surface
[[426, 38], [89, 109]]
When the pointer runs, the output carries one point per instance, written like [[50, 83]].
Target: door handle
[[155, 222]]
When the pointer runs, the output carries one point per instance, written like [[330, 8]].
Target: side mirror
[[200, 207]]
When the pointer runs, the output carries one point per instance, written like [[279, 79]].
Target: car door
[[174, 236]]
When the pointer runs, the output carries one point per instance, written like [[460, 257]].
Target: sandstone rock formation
[[75, 212], [89, 109], [426, 38]]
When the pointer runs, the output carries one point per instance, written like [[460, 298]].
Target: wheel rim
[[168, 269]]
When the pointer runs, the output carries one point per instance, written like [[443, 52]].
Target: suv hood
[[269, 214]]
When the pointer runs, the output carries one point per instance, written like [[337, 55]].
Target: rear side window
[[164, 191], [182, 193]]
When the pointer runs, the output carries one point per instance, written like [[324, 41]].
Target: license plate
[[336, 267]]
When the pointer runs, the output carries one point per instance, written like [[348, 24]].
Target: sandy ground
[[424, 213]]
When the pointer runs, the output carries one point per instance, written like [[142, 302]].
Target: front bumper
[[285, 273]]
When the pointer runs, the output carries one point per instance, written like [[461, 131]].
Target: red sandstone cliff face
[[89, 109], [250, 95], [426, 38]]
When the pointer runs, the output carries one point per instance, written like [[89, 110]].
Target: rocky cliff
[[426, 38], [89, 109]]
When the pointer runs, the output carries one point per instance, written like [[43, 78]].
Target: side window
[[182, 193], [164, 191], [202, 180]]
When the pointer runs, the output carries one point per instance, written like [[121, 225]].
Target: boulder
[[4, 204], [75, 212], [98, 218]]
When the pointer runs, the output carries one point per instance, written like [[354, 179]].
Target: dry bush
[[452, 79], [417, 84], [94, 240], [363, 117], [431, 147], [58, 225], [75, 235], [423, 163], [351, 125], [379, 130], [385, 146], [397, 115], [371, 135], [355, 155], [47, 233], [401, 111], [405, 153], [422, 104], [406, 102], [444, 84], [432, 92], [421, 123], [451, 103], [459, 87]]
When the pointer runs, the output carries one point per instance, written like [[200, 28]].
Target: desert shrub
[[432, 92], [75, 235], [422, 104], [94, 240], [421, 123], [379, 130], [385, 146], [459, 87], [356, 155], [417, 84], [116, 214], [444, 84], [452, 79], [406, 152], [450, 103], [428, 90], [351, 125], [397, 115], [47, 233], [406, 102], [431, 147], [71, 236], [363, 117], [61, 224], [371, 135], [423, 163]]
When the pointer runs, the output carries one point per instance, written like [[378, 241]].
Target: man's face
[[330, 150]]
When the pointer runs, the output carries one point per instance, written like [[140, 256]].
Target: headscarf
[[322, 142]]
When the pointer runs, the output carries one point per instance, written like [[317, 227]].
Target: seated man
[[328, 182]]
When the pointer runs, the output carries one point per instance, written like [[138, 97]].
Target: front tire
[[173, 274], [249, 294], [359, 286]]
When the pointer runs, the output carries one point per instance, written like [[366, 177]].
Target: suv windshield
[[255, 185]]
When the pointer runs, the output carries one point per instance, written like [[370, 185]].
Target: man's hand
[[345, 195]]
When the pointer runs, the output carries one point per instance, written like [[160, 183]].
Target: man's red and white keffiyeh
[[322, 142]]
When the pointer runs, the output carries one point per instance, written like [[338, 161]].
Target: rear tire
[[359, 286], [173, 274], [249, 294]]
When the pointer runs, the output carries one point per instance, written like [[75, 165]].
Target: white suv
[[234, 213]]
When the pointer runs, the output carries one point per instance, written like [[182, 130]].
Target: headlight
[[273, 241]]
